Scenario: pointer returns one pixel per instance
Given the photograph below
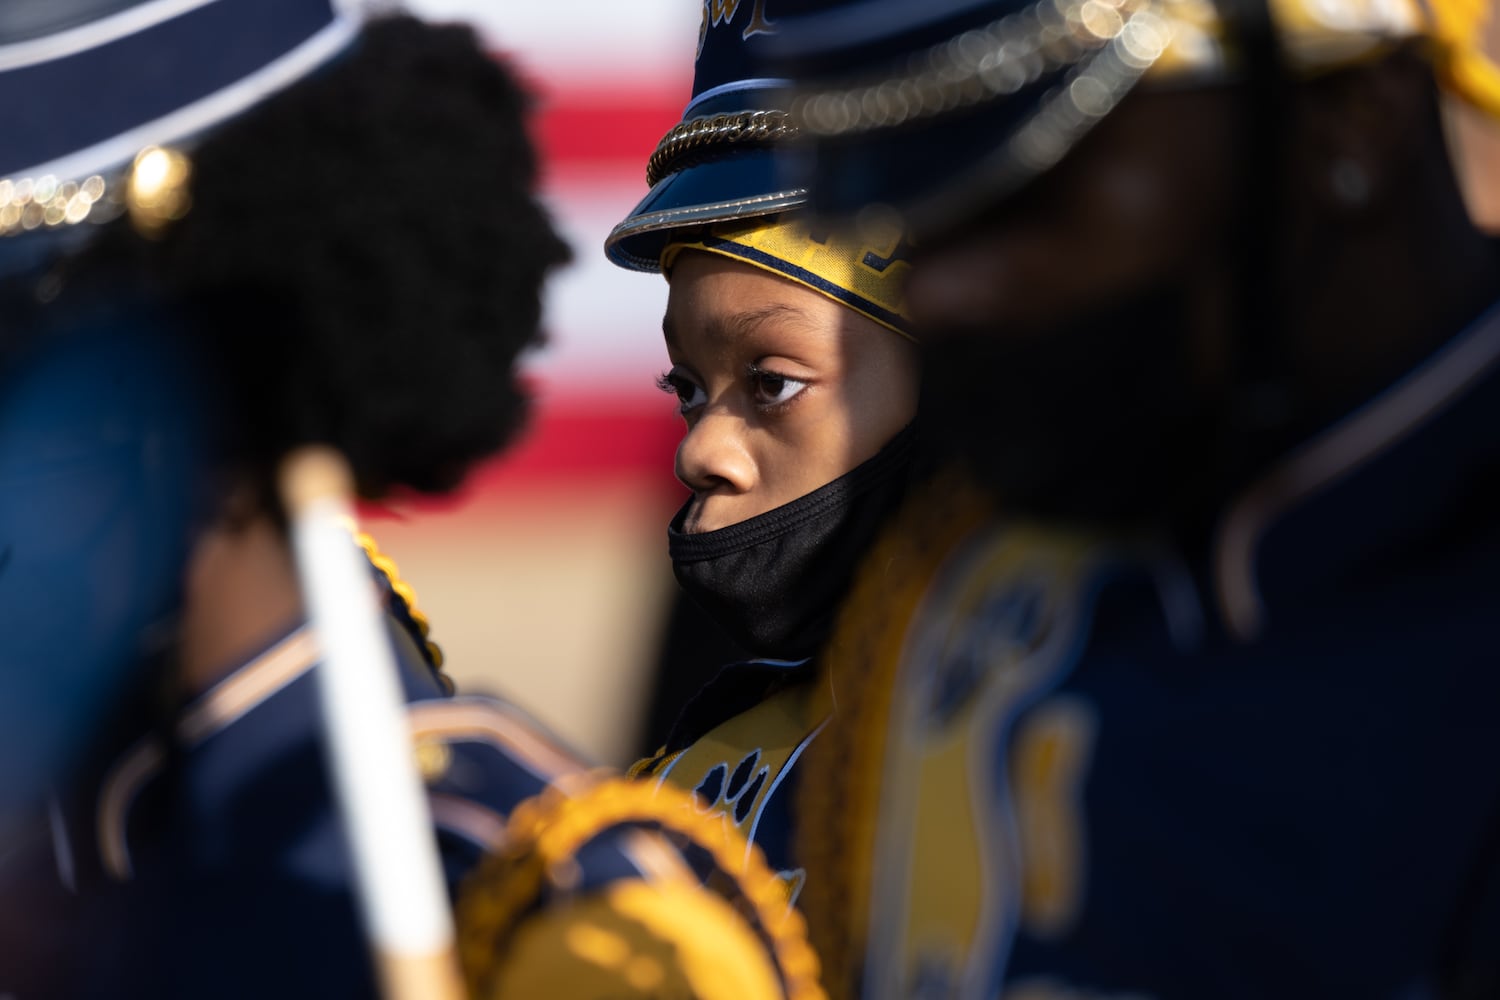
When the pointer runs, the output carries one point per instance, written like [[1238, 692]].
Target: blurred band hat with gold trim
[[105, 416], [87, 85], [937, 108]]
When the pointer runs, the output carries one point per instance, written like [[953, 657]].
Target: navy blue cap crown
[[718, 164], [933, 110]]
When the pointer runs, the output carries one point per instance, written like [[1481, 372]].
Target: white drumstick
[[386, 819]]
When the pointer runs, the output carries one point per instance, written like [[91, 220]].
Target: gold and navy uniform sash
[[916, 866]]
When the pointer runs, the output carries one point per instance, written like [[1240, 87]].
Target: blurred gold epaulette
[[387, 568], [527, 926]]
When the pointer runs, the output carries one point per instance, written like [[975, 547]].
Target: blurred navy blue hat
[[86, 85], [718, 163], [102, 411], [934, 109]]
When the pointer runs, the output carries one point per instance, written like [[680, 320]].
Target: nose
[[713, 457]]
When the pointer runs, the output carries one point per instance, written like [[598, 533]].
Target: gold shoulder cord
[[838, 797], [404, 593], [544, 835], [650, 767]]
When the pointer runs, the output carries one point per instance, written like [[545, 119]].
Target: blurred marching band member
[[1208, 707], [298, 227], [796, 375]]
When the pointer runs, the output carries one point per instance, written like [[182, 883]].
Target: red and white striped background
[[546, 577], [610, 78]]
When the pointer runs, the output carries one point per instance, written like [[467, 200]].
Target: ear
[[1360, 133]]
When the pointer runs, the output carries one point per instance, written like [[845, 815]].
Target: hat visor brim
[[741, 184]]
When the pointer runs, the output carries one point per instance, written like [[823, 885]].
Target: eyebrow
[[738, 326]]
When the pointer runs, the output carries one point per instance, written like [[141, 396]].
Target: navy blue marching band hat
[[932, 110], [101, 420], [719, 163], [95, 95]]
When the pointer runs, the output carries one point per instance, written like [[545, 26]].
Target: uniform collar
[[1369, 481], [92, 832]]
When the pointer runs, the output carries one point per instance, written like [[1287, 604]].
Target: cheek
[[882, 400], [815, 444]]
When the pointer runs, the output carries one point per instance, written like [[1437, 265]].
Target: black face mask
[[775, 581]]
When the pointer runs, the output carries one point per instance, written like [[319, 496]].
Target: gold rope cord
[[710, 133], [386, 566], [838, 797], [544, 835]]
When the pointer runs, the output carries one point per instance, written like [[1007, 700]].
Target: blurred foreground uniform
[[1234, 736], [201, 268]]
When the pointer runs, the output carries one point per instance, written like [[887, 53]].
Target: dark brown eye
[[689, 395], [773, 388]]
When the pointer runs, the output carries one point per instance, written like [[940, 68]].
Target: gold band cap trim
[[705, 135]]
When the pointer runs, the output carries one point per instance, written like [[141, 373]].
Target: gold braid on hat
[[707, 136]]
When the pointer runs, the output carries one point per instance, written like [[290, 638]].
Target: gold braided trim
[[840, 787], [544, 835], [992, 61], [403, 591], [649, 767], [153, 190], [702, 135]]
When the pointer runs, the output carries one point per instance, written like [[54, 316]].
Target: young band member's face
[[783, 389]]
